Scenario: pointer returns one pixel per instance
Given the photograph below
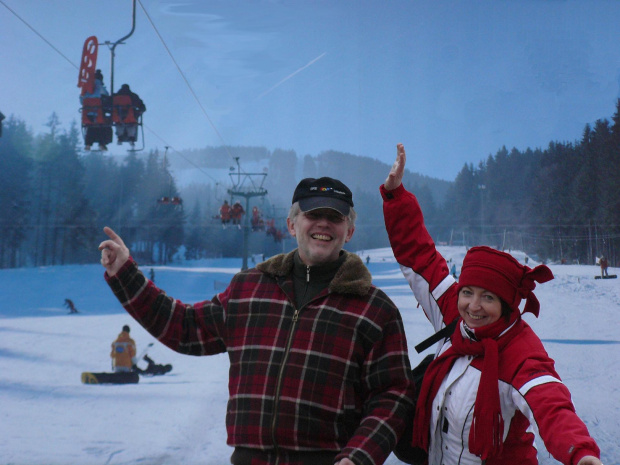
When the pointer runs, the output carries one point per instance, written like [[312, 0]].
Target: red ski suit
[[534, 401]]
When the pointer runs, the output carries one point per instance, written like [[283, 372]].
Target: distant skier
[[123, 351], [604, 264], [69, 304], [453, 270]]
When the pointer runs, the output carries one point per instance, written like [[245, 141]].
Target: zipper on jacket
[[307, 273], [276, 399]]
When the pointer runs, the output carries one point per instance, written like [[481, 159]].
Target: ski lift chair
[[174, 201], [92, 112]]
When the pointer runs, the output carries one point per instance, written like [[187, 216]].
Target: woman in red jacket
[[492, 388]]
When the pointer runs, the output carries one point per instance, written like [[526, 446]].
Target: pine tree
[[15, 184]]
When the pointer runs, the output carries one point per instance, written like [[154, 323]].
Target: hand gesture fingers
[[113, 238], [114, 252], [395, 177], [589, 460]]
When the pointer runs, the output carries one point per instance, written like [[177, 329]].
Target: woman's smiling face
[[479, 307]]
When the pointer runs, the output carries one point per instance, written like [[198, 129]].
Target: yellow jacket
[[123, 350]]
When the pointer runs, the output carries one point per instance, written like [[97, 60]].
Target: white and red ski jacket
[[535, 404]]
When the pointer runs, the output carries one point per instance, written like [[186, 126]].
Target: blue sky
[[452, 80]]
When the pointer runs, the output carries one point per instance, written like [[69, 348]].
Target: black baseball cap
[[323, 192]]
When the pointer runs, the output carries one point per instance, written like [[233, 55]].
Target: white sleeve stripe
[[425, 297], [537, 382], [443, 286], [411, 277]]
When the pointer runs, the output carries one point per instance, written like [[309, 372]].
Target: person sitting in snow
[[492, 388], [319, 371], [123, 351]]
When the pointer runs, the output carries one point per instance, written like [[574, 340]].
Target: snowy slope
[[48, 417]]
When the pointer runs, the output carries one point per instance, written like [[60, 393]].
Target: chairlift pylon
[[174, 201]]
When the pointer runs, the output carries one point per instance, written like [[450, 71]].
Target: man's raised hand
[[395, 177], [114, 252]]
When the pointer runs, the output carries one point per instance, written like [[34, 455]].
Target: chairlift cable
[[186, 81], [41, 36], [180, 155], [172, 57], [77, 67]]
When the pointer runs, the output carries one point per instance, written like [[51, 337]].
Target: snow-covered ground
[[48, 417]]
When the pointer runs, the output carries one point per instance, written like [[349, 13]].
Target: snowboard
[[611, 276], [86, 78], [121, 377]]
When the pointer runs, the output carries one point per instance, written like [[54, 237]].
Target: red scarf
[[487, 430]]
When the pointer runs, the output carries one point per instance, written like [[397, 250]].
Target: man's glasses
[[330, 215]]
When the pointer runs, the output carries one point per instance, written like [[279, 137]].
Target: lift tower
[[246, 185]]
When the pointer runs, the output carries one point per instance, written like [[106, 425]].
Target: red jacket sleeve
[[548, 405], [424, 268]]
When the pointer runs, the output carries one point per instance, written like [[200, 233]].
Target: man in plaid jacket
[[319, 371]]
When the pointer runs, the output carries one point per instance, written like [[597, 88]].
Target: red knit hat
[[503, 275]]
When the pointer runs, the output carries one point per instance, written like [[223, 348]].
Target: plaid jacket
[[332, 376]]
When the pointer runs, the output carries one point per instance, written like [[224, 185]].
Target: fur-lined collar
[[352, 278]]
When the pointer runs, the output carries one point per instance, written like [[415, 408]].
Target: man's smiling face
[[320, 235]]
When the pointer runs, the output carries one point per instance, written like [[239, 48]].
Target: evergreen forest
[[559, 203]]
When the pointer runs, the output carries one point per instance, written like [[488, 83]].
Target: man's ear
[[349, 235], [290, 225]]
